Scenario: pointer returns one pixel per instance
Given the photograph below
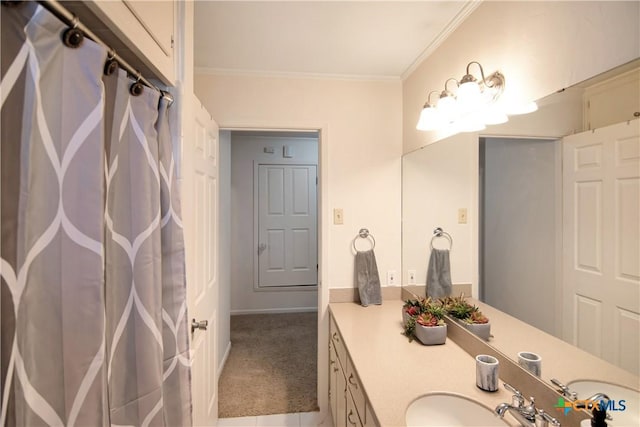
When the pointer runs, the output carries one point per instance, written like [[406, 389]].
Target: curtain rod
[[72, 20]]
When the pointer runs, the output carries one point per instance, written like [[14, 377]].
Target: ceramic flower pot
[[431, 335], [482, 330]]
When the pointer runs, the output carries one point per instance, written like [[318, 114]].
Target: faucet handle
[[518, 398], [566, 392], [512, 389], [546, 419]]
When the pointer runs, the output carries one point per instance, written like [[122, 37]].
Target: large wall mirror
[[544, 214]]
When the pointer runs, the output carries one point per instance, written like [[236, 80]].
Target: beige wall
[[361, 146], [540, 47], [435, 184]]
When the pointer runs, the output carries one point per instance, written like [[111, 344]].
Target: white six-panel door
[[601, 261], [201, 220], [287, 225]]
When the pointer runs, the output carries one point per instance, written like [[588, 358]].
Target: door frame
[[324, 219], [256, 225]]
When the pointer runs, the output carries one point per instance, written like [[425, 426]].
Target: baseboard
[[224, 360], [274, 310]]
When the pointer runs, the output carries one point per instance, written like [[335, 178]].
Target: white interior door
[[287, 225], [601, 222], [201, 220]]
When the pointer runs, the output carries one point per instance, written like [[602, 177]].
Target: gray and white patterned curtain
[[93, 298]]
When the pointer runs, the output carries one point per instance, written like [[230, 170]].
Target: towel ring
[[363, 234], [438, 232]]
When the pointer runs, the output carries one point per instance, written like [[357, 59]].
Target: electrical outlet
[[412, 277], [391, 277], [462, 216], [338, 216]]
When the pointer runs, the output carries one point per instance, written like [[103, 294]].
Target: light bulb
[[493, 115], [470, 123], [430, 118], [469, 97], [521, 108], [448, 108]]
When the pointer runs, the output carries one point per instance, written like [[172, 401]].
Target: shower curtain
[[93, 298]]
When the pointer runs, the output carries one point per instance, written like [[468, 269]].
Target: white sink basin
[[630, 416], [447, 409]]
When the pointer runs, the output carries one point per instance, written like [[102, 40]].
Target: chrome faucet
[[526, 415], [599, 415], [571, 395]]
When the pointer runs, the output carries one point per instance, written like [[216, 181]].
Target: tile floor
[[303, 419]]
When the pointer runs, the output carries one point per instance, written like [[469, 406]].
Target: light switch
[[462, 216], [338, 216]]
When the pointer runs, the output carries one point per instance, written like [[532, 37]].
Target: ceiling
[[359, 39]]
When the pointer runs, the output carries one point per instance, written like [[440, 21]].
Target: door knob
[[261, 248], [199, 325]]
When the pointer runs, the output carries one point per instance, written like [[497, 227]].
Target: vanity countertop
[[560, 359], [395, 372]]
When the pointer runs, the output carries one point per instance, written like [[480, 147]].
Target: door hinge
[[316, 180], [171, 41]]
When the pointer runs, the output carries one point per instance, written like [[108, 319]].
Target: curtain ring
[[73, 36], [112, 64], [137, 88]]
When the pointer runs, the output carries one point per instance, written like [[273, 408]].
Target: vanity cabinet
[[138, 31], [349, 405]]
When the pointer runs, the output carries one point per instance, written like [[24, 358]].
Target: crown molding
[[460, 17]]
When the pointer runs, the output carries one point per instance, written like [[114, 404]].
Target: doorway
[[520, 227], [272, 223]]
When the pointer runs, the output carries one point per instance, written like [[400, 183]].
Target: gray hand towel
[[367, 278], [439, 274]]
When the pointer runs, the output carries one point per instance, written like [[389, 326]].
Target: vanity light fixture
[[474, 105], [430, 117]]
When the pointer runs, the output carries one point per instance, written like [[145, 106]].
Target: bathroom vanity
[[376, 373]]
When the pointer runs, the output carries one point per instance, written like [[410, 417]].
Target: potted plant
[[428, 326], [468, 315], [411, 308]]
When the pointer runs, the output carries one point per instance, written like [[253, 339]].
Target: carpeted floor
[[272, 366]]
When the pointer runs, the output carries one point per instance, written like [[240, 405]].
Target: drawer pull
[[335, 369], [349, 418], [335, 337], [352, 381]]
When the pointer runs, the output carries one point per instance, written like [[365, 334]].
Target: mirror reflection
[[544, 214]]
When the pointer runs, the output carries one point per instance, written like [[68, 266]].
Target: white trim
[[275, 310], [292, 74], [224, 360], [460, 17]]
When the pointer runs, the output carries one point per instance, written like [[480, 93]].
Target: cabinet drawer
[[355, 387], [338, 345]]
